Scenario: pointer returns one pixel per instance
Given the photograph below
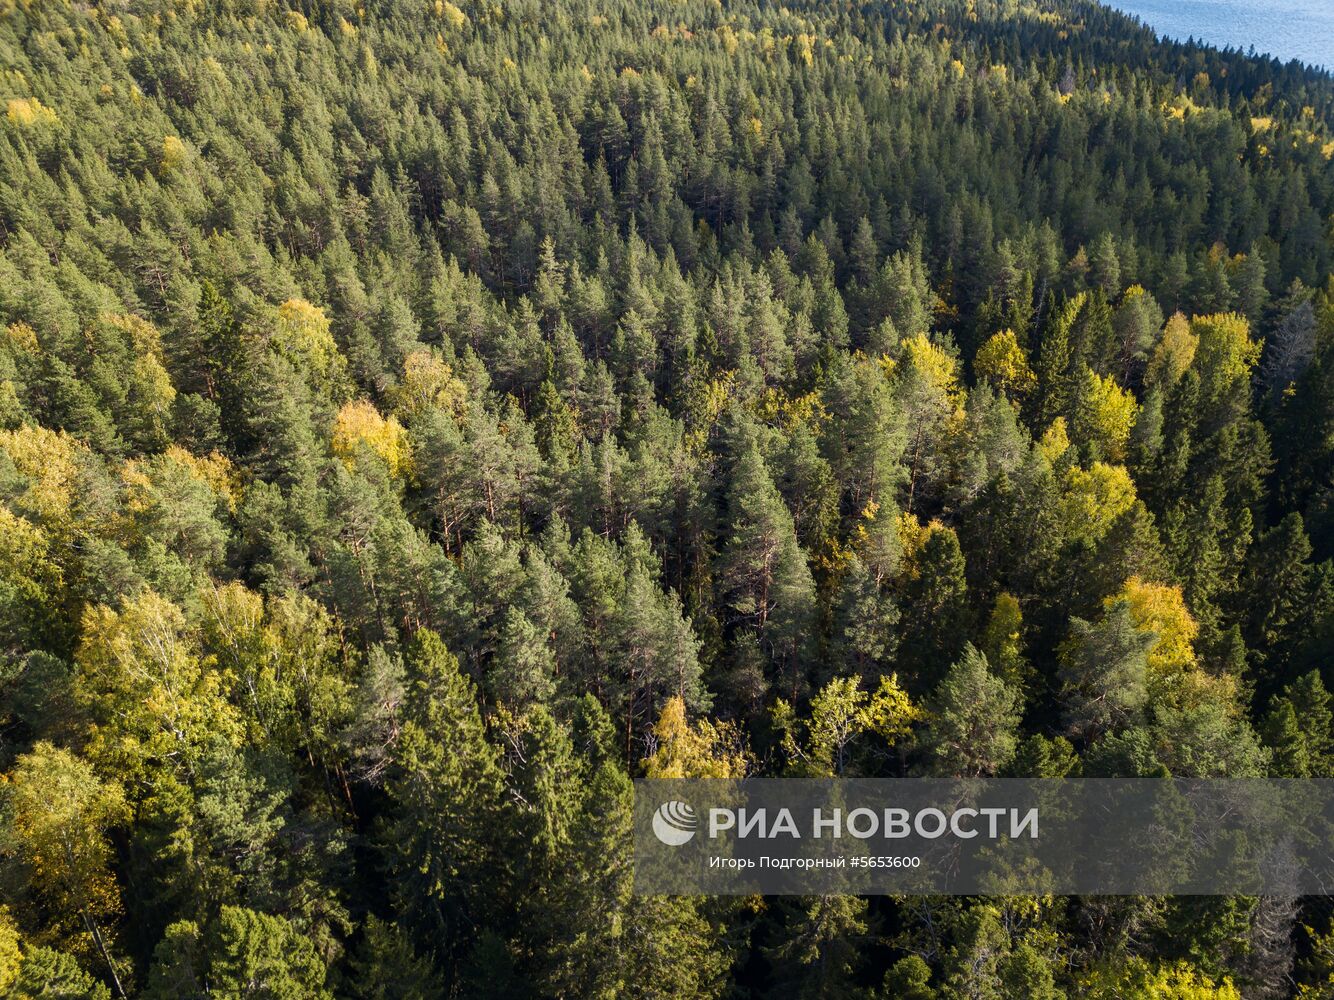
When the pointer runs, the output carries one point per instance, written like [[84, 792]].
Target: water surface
[[1287, 29]]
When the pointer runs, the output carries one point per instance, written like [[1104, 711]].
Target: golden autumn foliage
[[281, 652], [1055, 441], [913, 536], [889, 713], [173, 153], [301, 333], [1001, 361], [805, 48], [32, 583], [1174, 676], [142, 334], [451, 14], [214, 470], [24, 551], [428, 381], [22, 337], [47, 460], [11, 950], [710, 401], [421, 419], [932, 365], [29, 112], [1094, 498], [57, 815], [1173, 354], [151, 694], [150, 388], [704, 749], [1161, 609], [1141, 981], [359, 424], [141, 477], [840, 715], [153, 386], [780, 410], [1106, 414], [1226, 353]]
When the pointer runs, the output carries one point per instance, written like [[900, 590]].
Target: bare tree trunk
[[96, 932]]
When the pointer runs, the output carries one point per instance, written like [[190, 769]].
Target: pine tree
[[1104, 673], [239, 949], [445, 790], [385, 966], [936, 611], [1054, 365], [524, 668], [764, 573], [1105, 265], [816, 955], [974, 716], [865, 621], [1278, 590], [908, 979]]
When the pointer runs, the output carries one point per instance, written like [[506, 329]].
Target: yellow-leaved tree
[[174, 153], [1161, 609], [215, 470], [704, 749], [11, 951], [32, 586], [1172, 355], [428, 381], [47, 460], [149, 391], [282, 660], [451, 14], [1055, 441], [926, 385], [841, 714], [56, 818], [1104, 415], [30, 113], [1138, 980], [1174, 676], [301, 334], [1094, 498], [1001, 362], [1225, 356], [154, 701], [359, 425]]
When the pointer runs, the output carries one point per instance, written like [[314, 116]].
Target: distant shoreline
[[1240, 26]]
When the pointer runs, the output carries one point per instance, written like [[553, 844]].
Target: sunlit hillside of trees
[[421, 418]]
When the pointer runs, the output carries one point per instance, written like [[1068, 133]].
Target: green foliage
[[1104, 670], [385, 967], [974, 716], [445, 788], [241, 954], [418, 419], [770, 590]]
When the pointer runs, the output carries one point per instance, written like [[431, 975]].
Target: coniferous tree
[[768, 584], [974, 718], [445, 789]]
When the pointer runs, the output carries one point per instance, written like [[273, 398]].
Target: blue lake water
[[1288, 29]]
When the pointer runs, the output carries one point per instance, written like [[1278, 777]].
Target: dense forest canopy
[[419, 418]]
